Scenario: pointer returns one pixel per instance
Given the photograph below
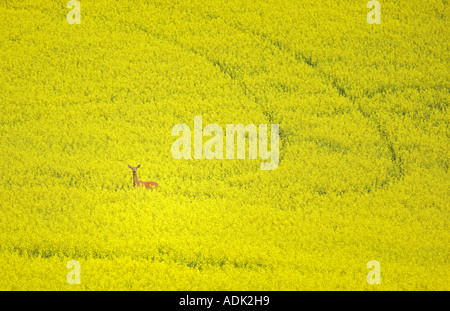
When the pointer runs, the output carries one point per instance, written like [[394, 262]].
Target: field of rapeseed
[[364, 145]]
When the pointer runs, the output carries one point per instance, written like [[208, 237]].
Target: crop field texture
[[363, 145]]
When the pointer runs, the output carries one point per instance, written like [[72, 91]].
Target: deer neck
[[135, 180]]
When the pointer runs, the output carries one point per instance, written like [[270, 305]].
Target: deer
[[137, 183]]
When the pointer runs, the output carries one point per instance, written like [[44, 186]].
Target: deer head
[[134, 169]]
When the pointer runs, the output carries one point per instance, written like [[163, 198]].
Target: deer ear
[[138, 166], [129, 166]]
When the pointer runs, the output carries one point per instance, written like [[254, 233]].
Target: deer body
[[138, 183]]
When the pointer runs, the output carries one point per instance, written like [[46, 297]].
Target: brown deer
[[137, 183]]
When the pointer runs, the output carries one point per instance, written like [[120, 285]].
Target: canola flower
[[363, 165]]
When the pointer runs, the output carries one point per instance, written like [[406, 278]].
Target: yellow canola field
[[364, 145]]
